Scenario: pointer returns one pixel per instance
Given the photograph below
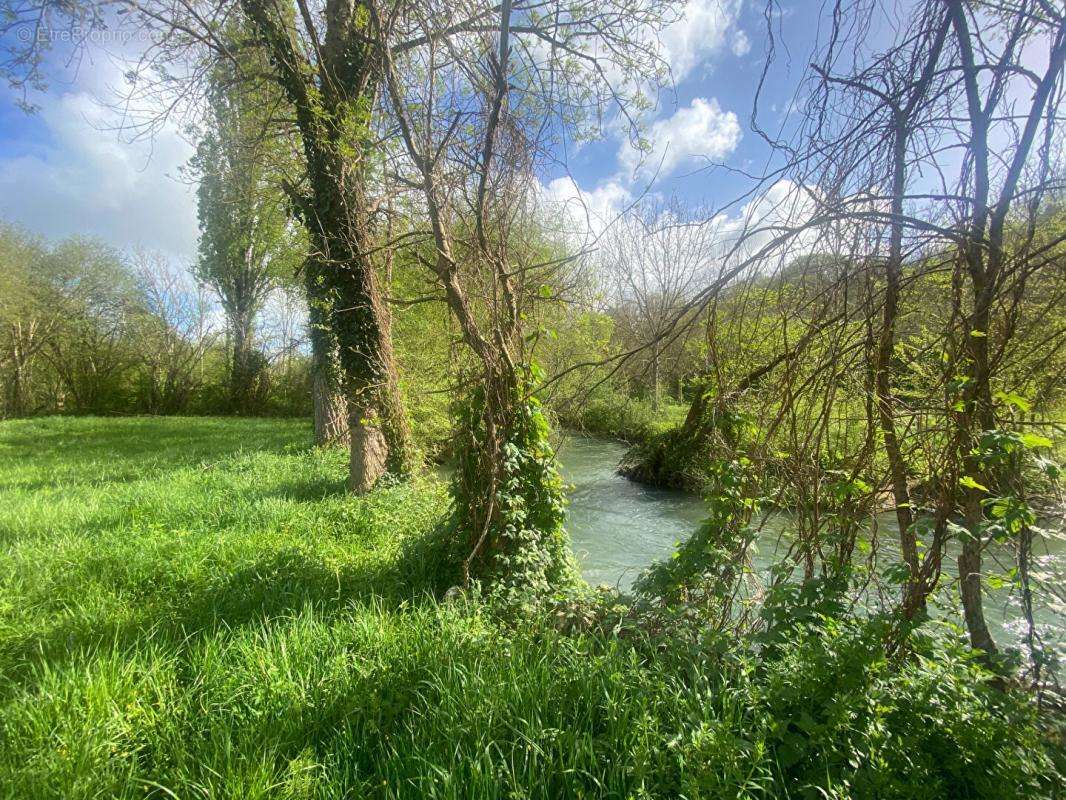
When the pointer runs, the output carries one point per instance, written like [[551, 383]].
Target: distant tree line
[[85, 329]]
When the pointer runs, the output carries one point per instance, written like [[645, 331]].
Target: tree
[[470, 166], [993, 186], [173, 333], [331, 80], [654, 260], [28, 316], [894, 99], [90, 348], [953, 98], [246, 245]]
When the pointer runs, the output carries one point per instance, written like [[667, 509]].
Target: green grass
[[193, 608]]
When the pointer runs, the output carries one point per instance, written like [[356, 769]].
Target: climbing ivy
[[705, 569], [514, 540]]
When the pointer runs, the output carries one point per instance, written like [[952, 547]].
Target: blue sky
[[714, 96], [62, 171]]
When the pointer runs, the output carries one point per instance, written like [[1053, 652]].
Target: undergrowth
[[617, 416]]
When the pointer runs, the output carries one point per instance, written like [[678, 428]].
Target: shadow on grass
[[309, 490]]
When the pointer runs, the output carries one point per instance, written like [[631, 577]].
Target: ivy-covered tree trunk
[[508, 493], [332, 87], [377, 424], [327, 392], [682, 458], [675, 458]]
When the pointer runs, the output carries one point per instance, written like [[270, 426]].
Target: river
[[617, 528]]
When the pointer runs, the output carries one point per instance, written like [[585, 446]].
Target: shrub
[[621, 417]]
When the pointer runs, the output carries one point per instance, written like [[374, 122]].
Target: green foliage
[[68, 325], [613, 414], [85, 330], [515, 539], [837, 718], [425, 350], [705, 569], [195, 607], [690, 455]]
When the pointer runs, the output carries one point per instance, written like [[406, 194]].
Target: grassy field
[[193, 608]]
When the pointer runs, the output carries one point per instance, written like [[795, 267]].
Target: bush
[[620, 417], [831, 716]]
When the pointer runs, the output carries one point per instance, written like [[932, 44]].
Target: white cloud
[[701, 31], [87, 181], [756, 238], [741, 44], [781, 223], [579, 214], [699, 130]]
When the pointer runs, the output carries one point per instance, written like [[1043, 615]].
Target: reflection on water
[[618, 528]]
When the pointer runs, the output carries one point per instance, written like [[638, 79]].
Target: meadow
[[194, 608]]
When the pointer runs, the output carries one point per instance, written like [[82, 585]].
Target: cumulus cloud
[[581, 214], [84, 180], [741, 44], [700, 130], [701, 30]]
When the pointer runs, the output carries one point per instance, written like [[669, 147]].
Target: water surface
[[618, 527]]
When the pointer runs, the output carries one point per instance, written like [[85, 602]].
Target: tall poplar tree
[[246, 241]]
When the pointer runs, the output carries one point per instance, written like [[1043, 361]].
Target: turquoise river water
[[618, 528]]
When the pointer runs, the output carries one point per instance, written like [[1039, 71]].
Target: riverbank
[[194, 607], [619, 417], [619, 527]]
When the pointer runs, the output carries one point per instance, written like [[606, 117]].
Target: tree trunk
[[655, 392], [21, 355], [379, 436], [914, 601], [369, 449], [978, 415], [330, 405], [330, 410], [242, 366], [15, 390], [970, 590]]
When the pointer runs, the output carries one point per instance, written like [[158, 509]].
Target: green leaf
[[1034, 440], [970, 483], [1013, 399]]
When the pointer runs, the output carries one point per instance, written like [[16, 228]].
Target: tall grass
[[193, 608]]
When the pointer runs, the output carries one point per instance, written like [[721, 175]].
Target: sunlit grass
[[194, 608]]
